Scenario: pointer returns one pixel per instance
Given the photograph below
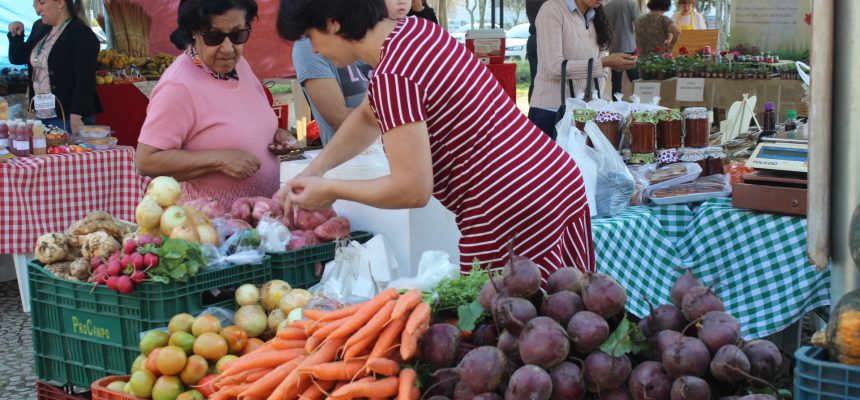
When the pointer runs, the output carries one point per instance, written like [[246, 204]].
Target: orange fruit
[[171, 360], [210, 346], [236, 338]]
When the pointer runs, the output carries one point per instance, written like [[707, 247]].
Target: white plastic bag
[[274, 236], [615, 183], [432, 269], [572, 140], [359, 271]]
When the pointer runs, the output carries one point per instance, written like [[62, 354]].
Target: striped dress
[[505, 181]]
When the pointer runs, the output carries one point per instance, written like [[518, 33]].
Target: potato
[[333, 229], [302, 239]]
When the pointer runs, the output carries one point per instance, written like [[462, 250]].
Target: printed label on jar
[[4, 142], [21, 145], [40, 143]]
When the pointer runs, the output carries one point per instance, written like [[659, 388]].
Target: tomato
[[205, 386]]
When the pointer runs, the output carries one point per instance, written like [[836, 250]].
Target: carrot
[[415, 394], [291, 386], [292, 334], [406, 384], [383, 366], [323, 330], [419, 316], [409, 342], [311, 344], [268, 359], [325, 316], [280, 344], [302, 324], [356, 349], [233, 391], [368, 387], [265, 385], [255, 376], [333, 371], [365, 314], [388, 337], [406, 303], [220, 396], [316, 391], [237, 378], [375, 325]]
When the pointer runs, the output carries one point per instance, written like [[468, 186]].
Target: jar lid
[[607, 116], [696, 113], [644, 117], [584, 114], [673, 114]]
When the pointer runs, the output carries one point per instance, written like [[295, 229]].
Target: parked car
[[515, 41], [460, 33]]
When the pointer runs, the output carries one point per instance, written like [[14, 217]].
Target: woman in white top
[[688, 18]]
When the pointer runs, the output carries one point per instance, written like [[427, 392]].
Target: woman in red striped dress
[[449, 131]]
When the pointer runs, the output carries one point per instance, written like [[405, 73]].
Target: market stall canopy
[[269, 55], [13, 11]]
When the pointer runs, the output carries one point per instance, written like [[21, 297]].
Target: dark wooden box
[[769, 198]]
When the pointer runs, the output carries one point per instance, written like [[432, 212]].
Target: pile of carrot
[[354, 352]]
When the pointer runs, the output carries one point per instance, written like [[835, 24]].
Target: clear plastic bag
[[224, 315], [243, 247], [274, 235], [615, 183]]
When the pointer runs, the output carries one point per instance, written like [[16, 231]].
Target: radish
[[96, 261], [136, 260], [112, 282], [129, 247], [124, 284], [144, 239], [158, 241], [114, 268], [138, 276], [150, 260], [123, 262]]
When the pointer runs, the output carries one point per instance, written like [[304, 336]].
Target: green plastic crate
[[81, 334], [297, 267]]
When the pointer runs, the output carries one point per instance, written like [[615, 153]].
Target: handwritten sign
[[44, 102], [690, 89], [646, 90]]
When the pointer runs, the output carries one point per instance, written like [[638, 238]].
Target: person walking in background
[[532, 8], [622, 16], [422, 10], [688, 18], [655, 32]]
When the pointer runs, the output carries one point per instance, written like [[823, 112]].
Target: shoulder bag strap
[[588, 81]]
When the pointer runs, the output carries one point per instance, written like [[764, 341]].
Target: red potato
[[241, 208], [302, 239], [333, 229], [262, 207], [307, 220], [208, 206]]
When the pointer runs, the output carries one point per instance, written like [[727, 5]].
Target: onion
[[247, 295], [185, 233], [275, 319], [272, 292], [148, 213], [172, 217], [208, 235], [252, 319], [294, 315], [289, 302], [164, 190], [283, 325], [302, 295]]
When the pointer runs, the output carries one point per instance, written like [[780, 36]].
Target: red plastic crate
[[101, 392], [46, 391]]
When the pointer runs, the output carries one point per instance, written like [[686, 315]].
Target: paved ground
[[17, 374]]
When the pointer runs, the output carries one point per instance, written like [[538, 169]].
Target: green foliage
[[453, 293], [178, 261]]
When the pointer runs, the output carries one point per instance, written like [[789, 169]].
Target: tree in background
[[514, 10], [471, 7]]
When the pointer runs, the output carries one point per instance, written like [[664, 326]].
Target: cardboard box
[[487, 44]]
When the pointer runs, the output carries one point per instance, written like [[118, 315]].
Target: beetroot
[[602, 295], [719, 329], [543, 342], [666, 317], [682, 286], [765, 359], [567, 278], [587, 331], [485, 334], [487, 396], [482, 369], [463, 392], [730, 364], [649, 381], [561, 306], [512, 313], [522, 277], [508, 345], [690, 388], [662, 341], [488, 292], [686, 356], [443, 382], [529, 383], [567, 382], [615, 394], [699, 301], [644, 326], [440, 344], [604, 372], [757, 397]]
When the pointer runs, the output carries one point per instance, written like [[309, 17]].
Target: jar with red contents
[[669, 129], [643, 132], [696, 129]]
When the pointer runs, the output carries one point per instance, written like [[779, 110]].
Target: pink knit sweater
[[190, 110]]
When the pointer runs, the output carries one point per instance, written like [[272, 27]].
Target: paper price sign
[[690, 89], [646, 90], [44, 102]]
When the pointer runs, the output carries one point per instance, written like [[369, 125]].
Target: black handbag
[[588, 87]]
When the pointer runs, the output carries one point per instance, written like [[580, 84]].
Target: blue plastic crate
[[818, 378]]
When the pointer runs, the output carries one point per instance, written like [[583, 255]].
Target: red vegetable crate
[[101, 392]]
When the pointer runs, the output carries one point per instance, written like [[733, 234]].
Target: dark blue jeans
[[544, 120]]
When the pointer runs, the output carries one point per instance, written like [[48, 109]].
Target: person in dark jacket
[[532, 8], [422, 10], [61, 53]]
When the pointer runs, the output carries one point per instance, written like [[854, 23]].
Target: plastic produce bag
[[432, 269], [274, 236], [224, 315], [615, 183], [572, 140], [358, 271], [243, 247]]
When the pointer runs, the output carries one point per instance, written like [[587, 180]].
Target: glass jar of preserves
[[696, 129], [643, 132], [669, 129]]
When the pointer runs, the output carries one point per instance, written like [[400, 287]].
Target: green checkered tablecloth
[[758, 259]]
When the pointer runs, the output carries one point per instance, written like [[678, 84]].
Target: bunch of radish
[[127, 267], [553, 345]]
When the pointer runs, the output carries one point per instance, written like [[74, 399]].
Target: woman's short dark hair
[[356, 17], [196, 15], [659, 5]]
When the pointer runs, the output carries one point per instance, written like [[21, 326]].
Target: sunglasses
[[215, 38]]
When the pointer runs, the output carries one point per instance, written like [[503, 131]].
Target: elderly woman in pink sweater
[[209, 124]]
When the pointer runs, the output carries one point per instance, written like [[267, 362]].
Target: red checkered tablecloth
[[47, 194]]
